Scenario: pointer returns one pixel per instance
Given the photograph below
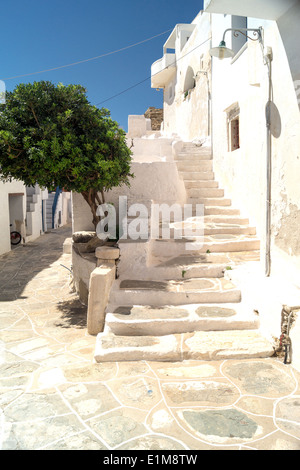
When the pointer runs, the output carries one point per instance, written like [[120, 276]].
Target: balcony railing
[[163, 70]]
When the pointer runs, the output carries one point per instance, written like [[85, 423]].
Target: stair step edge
[[217, 345]]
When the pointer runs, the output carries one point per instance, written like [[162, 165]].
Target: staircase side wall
[[157, 181]]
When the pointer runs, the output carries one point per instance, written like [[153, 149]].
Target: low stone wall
[[93, 276], [83, 264]]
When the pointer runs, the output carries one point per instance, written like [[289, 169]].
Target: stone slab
[[159, 293], [100, 284], [217, 345], [143, 320], [208, 346], [136, 348], [107, 252]]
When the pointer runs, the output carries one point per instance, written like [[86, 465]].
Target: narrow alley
[[54, 397]]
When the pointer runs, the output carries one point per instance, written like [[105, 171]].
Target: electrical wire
[[150, 76], [88, 60], [124, 91]]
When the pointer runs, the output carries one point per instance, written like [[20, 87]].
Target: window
[[234, 142], [233, 127]]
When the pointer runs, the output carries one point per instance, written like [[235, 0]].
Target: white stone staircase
[[49, 204], [173, 304]]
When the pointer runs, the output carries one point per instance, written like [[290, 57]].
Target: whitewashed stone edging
[[100, 284]]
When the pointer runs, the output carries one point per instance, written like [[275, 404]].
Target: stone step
[[205, 192], [176, 269], [185, 266], [200, 345], [211, 229], [192, 156], [199, 184], [227, 219], [205, 225], [197, 175], [207, 220], [220, 210], [173, 292], [182, 229], [191, 166], [139, 320], [225, 260], [214, 218], [211, 243], [209, 201], [212, 215], [193, 145], [190, 147]]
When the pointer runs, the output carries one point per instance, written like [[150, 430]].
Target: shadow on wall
[[189, 81], [288, 26], [275, 120]]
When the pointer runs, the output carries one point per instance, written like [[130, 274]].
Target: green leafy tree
[[52, 136]]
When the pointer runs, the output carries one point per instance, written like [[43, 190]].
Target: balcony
[[163, 70]]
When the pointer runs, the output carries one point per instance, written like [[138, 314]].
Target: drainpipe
[[268, 59]]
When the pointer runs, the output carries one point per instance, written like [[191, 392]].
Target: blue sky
[[38, 35]]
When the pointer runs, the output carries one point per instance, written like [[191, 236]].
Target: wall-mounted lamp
[[223, 52]]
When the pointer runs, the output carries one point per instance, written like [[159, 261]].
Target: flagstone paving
[[53, 396]]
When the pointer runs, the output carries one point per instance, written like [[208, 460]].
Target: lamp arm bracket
[[256, 32]]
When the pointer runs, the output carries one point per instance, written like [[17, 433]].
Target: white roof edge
[[173, 33], [264, 9]]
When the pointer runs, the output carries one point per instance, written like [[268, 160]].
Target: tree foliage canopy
[[52, 136]]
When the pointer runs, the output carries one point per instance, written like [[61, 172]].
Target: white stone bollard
[[101, 281]]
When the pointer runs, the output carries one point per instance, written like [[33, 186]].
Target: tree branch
[[34, 115]]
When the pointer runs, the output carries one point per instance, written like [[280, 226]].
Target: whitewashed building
[[30, 211], [232, 126], [247, 106]]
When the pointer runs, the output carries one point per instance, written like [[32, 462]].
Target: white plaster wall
[[156, 178], [5, 190], [4, 220], [63, 210], [243, 172], [189, 116], [34, 220], [138, 125], [66, 205], [157, 181], [153, 148]]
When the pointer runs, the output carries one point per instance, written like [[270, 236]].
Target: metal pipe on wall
[[268, 59]]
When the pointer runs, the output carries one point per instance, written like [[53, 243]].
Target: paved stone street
[[53, 396]]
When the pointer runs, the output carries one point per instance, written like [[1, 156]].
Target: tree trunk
[[94, 200]]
